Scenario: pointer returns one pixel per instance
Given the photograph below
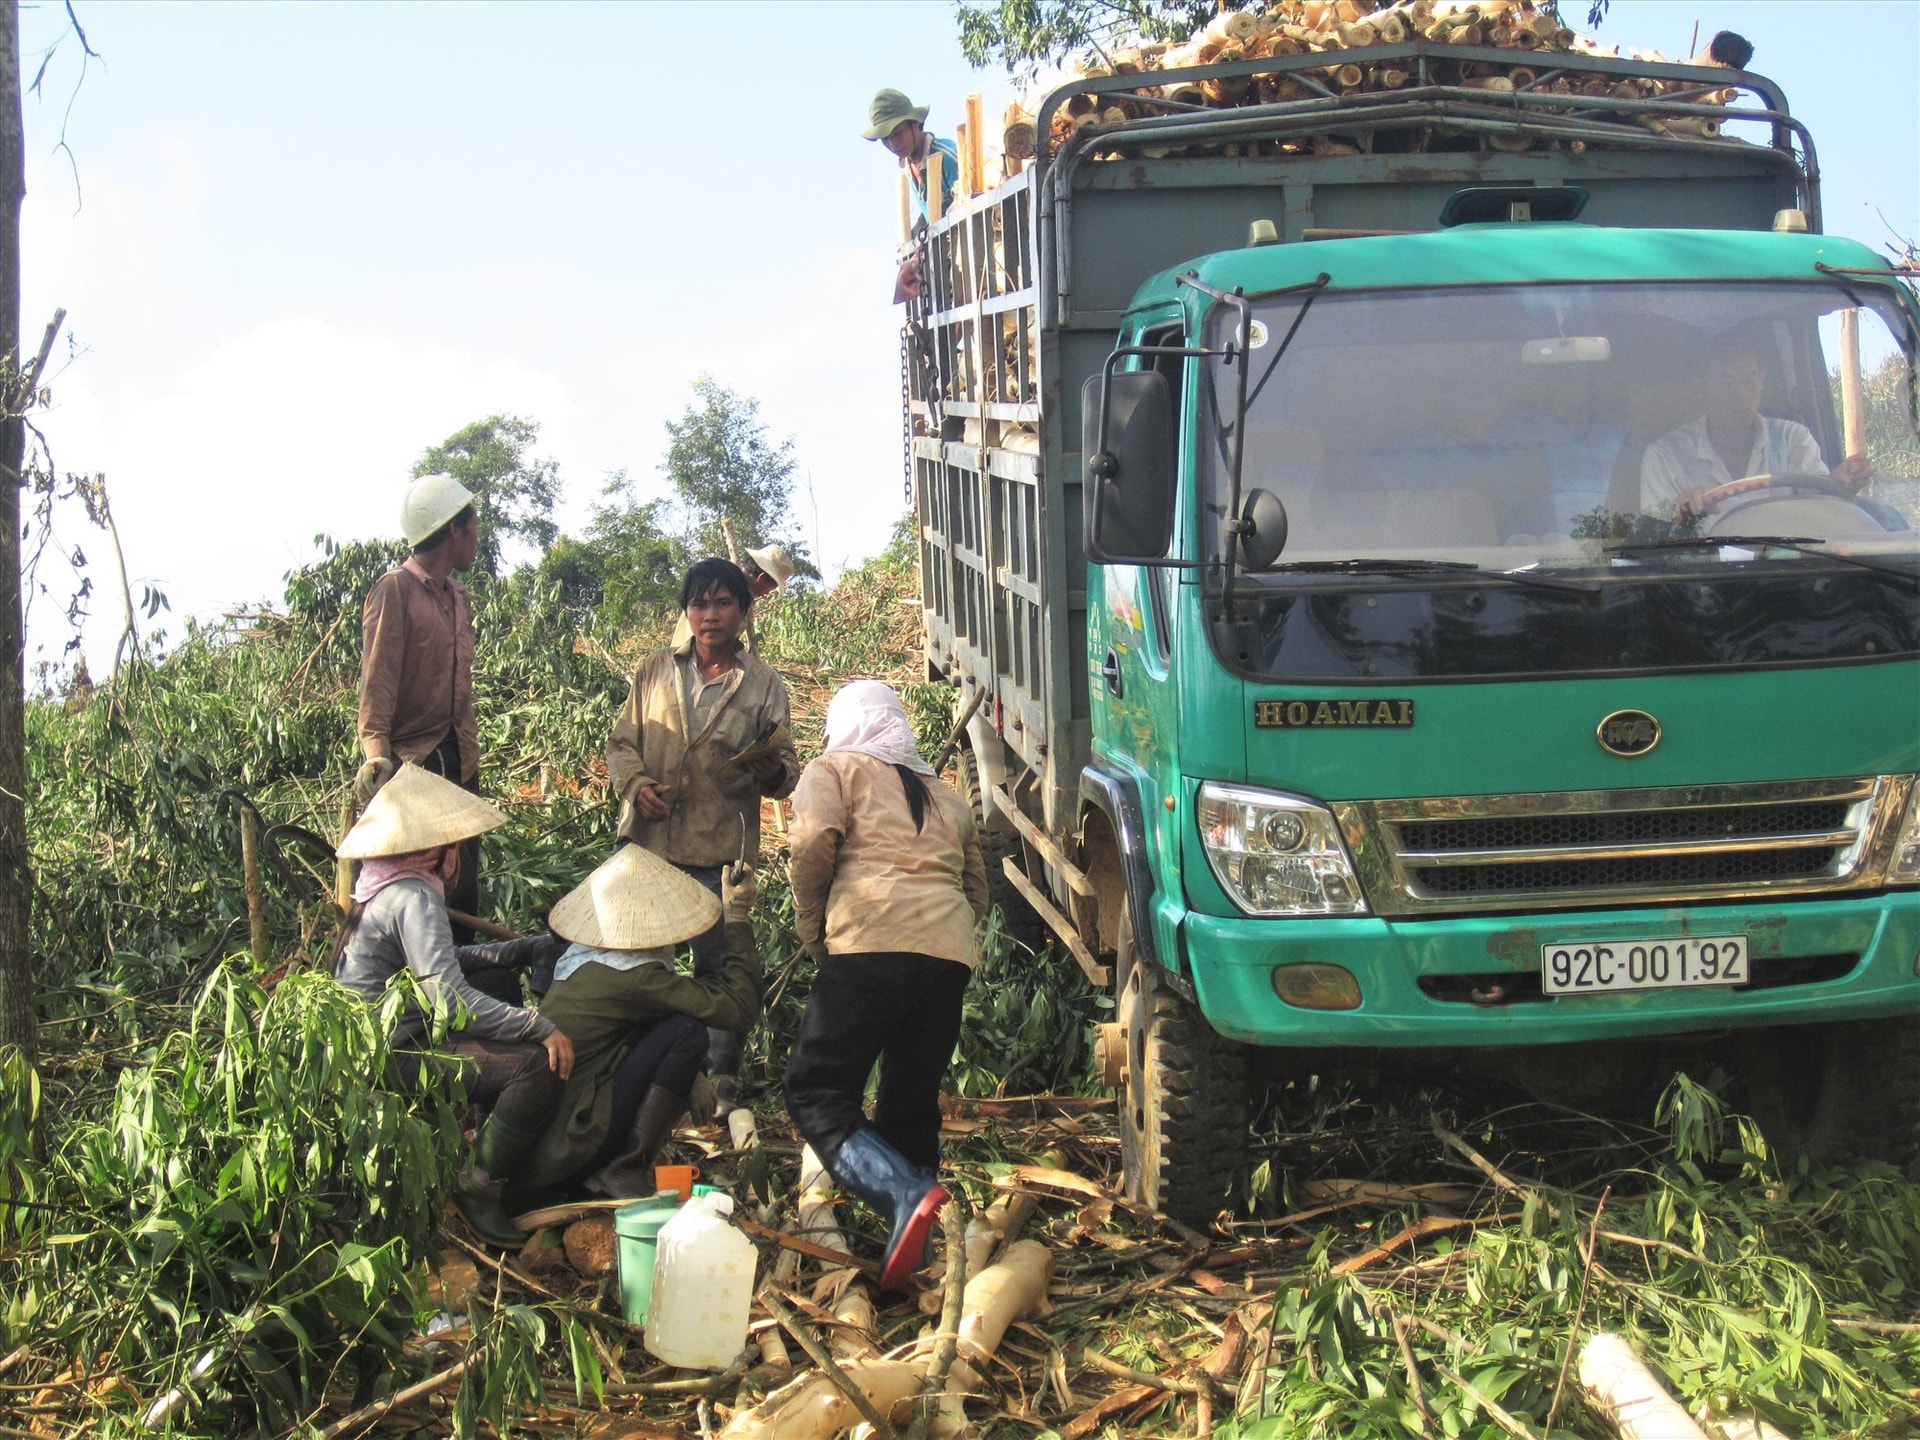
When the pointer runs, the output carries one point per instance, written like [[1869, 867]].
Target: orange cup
[[677, 1178]]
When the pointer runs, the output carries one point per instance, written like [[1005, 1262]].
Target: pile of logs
[[1544, 56]]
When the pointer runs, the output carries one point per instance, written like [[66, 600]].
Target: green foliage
[[1025, 35], [514, 495], [625, 573], [1888, 418], [246, 1204], [1027, 1019], [723, 465]]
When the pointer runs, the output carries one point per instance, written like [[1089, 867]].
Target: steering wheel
[[1824, 484]]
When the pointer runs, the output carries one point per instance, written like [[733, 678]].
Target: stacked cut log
[[1543, 57]]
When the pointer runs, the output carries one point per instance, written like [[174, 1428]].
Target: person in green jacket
[[638, 1026]]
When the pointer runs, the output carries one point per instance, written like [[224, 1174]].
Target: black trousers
[[709, 955], [512, 1078], [664, 1052], [898, 1008]]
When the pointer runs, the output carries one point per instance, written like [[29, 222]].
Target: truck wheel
[[1183, 1097], [1021, 921], [1846, 1091]]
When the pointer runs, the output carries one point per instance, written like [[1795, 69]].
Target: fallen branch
[[367, 1414], [824, 1253], [816, 1352], [946, 1346], [1197, 1389], [1430, 1225], [1580, 1306], [1486, 1167], [1494, 1412]]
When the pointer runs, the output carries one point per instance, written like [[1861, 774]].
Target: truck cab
[[1487, 651]]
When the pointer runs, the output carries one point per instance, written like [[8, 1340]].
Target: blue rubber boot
[[910, 1199]]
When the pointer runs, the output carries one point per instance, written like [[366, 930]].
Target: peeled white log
[[1233, 25], [856, 1311], [773, 1348], [811, 1407], [816, 1203], [1741, 1427], [741, 1129], [1625, 1392], [1002, 1294]]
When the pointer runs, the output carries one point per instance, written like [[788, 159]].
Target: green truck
[[1370, 647]]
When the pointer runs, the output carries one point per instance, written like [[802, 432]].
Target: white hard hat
[[775, 561], [431, 502]]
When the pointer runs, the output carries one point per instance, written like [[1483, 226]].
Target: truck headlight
[[1277, 854], [1905, 869]]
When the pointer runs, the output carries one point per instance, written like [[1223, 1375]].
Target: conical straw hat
[[635, 901], [417, 810]]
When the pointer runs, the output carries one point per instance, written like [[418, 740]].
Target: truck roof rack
[[1439, 93]]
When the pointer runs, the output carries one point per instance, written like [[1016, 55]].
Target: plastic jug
[[702, 1287], [636, 1228]]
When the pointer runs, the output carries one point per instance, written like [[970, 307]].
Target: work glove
[[370, 777], [737, 890]]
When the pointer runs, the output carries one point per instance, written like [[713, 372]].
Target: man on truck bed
[[1731, 441], [897, 123]]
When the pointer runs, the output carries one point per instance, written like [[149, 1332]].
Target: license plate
[[1604, 967]]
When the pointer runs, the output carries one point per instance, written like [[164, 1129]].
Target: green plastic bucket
[[635, 1229]]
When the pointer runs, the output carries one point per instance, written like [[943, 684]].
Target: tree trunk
[[17, 1022]]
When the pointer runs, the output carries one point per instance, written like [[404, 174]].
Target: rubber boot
[[497, 1149], [880, 1175], [630, 1172]]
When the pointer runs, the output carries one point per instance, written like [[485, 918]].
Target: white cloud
[[221, 479]]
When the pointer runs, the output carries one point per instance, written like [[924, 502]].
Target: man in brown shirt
[[416, 660], [702, 738]]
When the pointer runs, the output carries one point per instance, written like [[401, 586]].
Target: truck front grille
[[1541, 851]]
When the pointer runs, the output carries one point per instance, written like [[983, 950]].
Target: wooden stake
[[975, 148], [1853, 425], [256, 897], [343, 870]]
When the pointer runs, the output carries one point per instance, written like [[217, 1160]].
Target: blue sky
[[306, 241]]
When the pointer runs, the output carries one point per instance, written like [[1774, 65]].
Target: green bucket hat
[[889, 111]]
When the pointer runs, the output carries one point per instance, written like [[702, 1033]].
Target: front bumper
[[1811, 961]]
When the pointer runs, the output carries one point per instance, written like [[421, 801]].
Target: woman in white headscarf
[[888, 885]]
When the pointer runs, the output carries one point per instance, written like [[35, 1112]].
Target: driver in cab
[[1732, 441]]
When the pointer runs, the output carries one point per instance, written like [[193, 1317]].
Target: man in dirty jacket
[[702, 739]]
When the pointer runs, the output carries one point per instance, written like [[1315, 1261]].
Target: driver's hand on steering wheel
[[1853, 472], [1687, 508]]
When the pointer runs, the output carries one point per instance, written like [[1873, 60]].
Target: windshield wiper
[[1388, 566], [1799, 544]]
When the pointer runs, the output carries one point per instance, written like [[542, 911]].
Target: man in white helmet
[[416, 660]]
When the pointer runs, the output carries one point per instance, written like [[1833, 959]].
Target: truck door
[[1134, 715]]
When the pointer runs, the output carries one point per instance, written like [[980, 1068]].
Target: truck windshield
[[1522, 478]]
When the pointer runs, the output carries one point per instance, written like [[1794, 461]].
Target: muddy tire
[[1022, 922], [1182, 1100], [1846, 1091]]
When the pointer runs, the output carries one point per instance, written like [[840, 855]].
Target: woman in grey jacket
[[409, 843]]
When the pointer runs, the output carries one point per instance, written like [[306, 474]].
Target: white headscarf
[[868, 717]]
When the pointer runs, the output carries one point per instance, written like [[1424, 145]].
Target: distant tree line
[[724, 473]]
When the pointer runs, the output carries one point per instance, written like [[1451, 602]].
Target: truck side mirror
[[1130, 473]]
